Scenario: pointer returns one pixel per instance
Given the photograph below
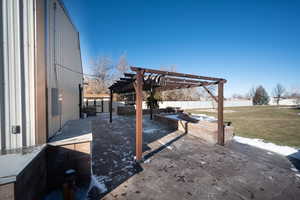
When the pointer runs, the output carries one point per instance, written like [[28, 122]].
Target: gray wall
[[64, 67]]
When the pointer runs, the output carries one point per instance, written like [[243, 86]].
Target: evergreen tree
[[261, 96]]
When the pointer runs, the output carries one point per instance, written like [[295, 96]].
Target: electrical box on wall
[[16, 129], [55, 101]]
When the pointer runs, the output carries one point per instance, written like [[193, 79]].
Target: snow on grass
[[259, 143]]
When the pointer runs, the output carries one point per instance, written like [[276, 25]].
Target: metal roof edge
[[62, 4]]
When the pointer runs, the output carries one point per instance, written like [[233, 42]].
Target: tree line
[[105, 72], [260, 96]]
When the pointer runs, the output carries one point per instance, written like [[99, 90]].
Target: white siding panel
[[18, 71], [29, 38], [2, 113], [12, 72]]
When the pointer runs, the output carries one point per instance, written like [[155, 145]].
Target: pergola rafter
[[148, 79]]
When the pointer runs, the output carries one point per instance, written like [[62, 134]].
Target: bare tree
[[297, 100], [295, 95], [185, 94], [212, 89], [251, 93], [103, 71], [278, 92], [90, 86], [171, 95], [237, 96], [122, 66]]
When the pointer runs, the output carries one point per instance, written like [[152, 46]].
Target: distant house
[[40, 71]]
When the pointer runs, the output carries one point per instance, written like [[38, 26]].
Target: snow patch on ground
[[151, 130], [98, 182], [259, 143], [200, 117], [203, 117], [167, 146], [294, 169]]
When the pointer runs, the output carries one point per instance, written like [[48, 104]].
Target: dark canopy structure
[[143, 79]]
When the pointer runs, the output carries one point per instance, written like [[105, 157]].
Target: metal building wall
[[64, 68], [17, 102]]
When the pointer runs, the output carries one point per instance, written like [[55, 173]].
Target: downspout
[[22, 66], [2, 110], [55, 65], [46, 51]]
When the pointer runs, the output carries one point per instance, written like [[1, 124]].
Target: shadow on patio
[[113, 150]]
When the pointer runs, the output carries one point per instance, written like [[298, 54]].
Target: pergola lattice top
[[162, 81]]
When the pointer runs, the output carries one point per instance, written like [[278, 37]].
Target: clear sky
[[247, 42]]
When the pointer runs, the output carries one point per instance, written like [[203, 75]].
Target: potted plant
[[152, 101]]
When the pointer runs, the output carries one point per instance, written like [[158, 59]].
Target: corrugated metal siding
[[63, 60], [29, 71], [64, 69], [2, 113], [18, 73]]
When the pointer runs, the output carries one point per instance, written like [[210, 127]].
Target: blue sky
[[247, 42]]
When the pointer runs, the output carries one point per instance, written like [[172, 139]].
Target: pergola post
[[80, 101], [110, 106], [151, 113], [220, 113], [139, 115], [151, 105]]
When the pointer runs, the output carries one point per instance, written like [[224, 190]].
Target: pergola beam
[[129, 75], [211, 94], [183, 80], [176, 74], [127, 79]]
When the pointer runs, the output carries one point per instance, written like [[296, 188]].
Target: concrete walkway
[[183, 167]]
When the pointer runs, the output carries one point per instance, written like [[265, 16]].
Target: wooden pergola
[[143, 79]]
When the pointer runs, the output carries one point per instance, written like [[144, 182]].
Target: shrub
[[152, 100]]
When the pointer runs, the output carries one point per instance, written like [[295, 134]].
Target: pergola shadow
[[113, 158], [162, 147]]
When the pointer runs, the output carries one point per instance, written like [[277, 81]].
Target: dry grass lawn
[[280, 125]]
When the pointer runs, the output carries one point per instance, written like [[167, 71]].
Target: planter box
[[202, 129]]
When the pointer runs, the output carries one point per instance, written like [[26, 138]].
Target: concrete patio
[[181, 166]]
